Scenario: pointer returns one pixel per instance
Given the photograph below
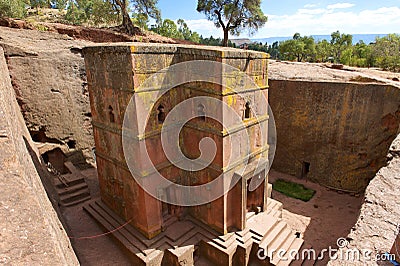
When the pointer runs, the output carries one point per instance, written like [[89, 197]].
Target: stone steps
[[78, 201], [272, 234], [300, 261], [73, 189], [177, 239], [296, 245], [76, 191], [71, 180], [125, 235], [180, 236], [285, 245], [274, 208], [264, 230], [76, 197]]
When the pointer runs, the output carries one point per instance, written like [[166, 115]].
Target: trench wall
[[48, 76], [379, 219], [336, 134], [31, 231]]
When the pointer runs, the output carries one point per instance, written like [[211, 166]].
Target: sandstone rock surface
[[377, 225], [30, 231], [49, 78], [334, 127]]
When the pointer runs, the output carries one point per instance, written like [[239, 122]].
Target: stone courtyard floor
[[328, 216]]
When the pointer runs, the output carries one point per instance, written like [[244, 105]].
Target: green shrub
[[41, 27], [293, 190], [13, 8], [92, 12]]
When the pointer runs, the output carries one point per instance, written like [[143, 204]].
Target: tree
[[60, 4], [273, 50], [296, 36], [291, 50], [323, 51], [211, 41], [340, 42], [195, 37], [184, 29], [147, 7], [40, 3], [141, 20], [347, 57], [167, 28], [13, 8], [233, 15], [387, 52], [186, 33], [94, 12], [301, 48], [258, 47], [362, 55], [309, 51]]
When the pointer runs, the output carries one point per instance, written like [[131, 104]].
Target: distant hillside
[[367, 38]]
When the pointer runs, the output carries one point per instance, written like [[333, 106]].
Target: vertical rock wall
[[48, 75], [379, 220], [31, 233], [333, 133]]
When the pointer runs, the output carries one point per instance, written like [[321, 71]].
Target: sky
[[285, 17]]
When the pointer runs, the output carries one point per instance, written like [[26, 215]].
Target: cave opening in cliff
[[71, 144], [305, 169], [40, 136], [111, 114], [56, 158]]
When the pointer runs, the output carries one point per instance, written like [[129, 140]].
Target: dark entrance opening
[[305, 169], [247, 112], [40, 136], [161, 114], [56, 159], [71, 144], [111, 114], [253, 198]]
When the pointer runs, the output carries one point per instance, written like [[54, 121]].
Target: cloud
[[314, 11], [204, 27], [326, 21], [310, 5], [340, 6], [308, 21]]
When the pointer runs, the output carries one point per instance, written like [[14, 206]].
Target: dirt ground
[[329, 215], [325, 218], [101, 250]]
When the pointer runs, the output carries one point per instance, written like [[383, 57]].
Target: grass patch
[[293, 190]]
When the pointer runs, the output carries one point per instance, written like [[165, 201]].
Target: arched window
[[247, 111], [111, 114], [200, 112], [161, 114]]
